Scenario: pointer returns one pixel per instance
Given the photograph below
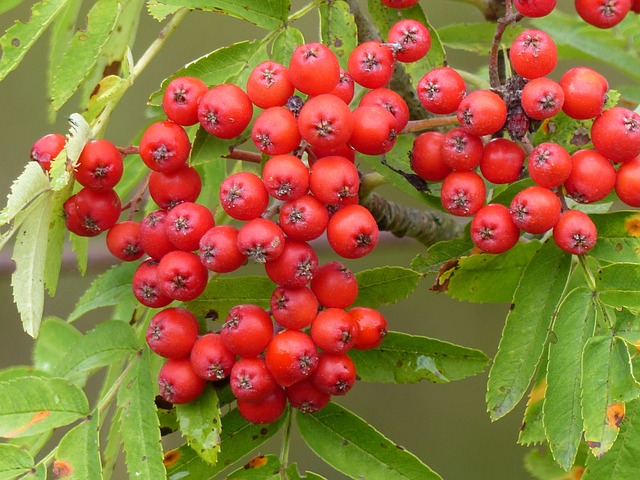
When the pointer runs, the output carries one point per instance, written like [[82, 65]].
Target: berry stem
[[286, 443], [132, 205], [244, 155], [429, 123], [501, 25]]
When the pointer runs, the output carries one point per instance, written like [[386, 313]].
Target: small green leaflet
[[526, 328], [618, 236], [338, 29], [30, 405], [355, 448], [14, 461], [441, 252], [619, 285], [79, 450], [200, 424], [57, 338], [385, 285], [532, 430], [285, 43], [31, 183], [406, 358]]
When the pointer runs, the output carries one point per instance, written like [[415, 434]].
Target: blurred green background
[[445, 425]]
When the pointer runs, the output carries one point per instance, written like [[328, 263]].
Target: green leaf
[[239, 438], [29, 253], [31, 183], [9, 5], [139, 422], [110, 288], [31, 405], [61, 167], [20, 37], [108, 342], [442, 252], [353, 447], [55, 244], [159, 11], [541, 465], [285, 43], [621, 462], [606, 381], [618, 236], [406, 358], [224, 293], [83, 51], [574, 325], [618, 285], [526, 328], [385, 285], [475, 37], [14, 461], [16, 371], [487, 278], [60, 35], [262, 467], [268, 14], [208, 149], [293, 474], [200, 425], [56, 340], [338, 29], [565, 131], [79, 452], [532, 430]]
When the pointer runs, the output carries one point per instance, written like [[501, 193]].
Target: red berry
[[542, 98], [178, 383], [372, 327], [463, 193], [295, 266], [275, 131], [247, 330], [585, 92], [461, 150], [243, 196], [210, 358], [261, 240], [334, 285], [306, 397], [95, 211], [603, 13], [441, 90], [410, 38], [549, 165], [482, 112], [285, 177], [145, 285], [334, 330], [325, 121], [399, 3], [293, 307], [314, 69], [172, 332], [251, 381], [374, 130], [615, 133], [371, 64], [334, 180], [291, 357], [218, 249], [533, 54], [502, 161], [269, 85], [534, 8], [391, 101], [181, 275], [225, 111], [592, 177], [628, 182], [266, 411], [304, 218], [493, 230], [99, 166], [47, 148], [171, 188], [164, 146], [153, 235], [181, 98], [123, 241], [575, 232], [345, 89], [535, 209], [352, 231], [335, 374], [426, 157], [186, 223]]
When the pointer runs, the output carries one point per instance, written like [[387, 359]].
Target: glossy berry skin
[[243, 196], [482, 112], [575, 232], [172, 188], [374, 130], [153, 235], [426, 157], [325, 121], [181, 275], [585, 92], [492, 229], [267, 411], [261, 240], [391, 101], [463, 193], [628, 183], [247, 330], [592, 177], [542, 98], [285, 177], [123, 241], [334, 285], [461, 150], [602, 13], [372, 327], [441, 90], [534, 8], [334, 330], [225, 111], [210, 358], [269, 85], [172, 332], [399, 3], [533, 54], [411, 40], [181, 98], [293, 307], [502, 161], [370, 64], [549, 165], [335, 374], [306, 397], [334, 180], [218, 249], [275, 131], [535, 209], [178, 383], [352, 231], [615, 134], [94, 211], [164, 146], [145, 285], [251, 381], [314, 69], [295, 266], [100, 165], [291, 357], [304, 218], [186, 223], [47, 148], [345, 89]]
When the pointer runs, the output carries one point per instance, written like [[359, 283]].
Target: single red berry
[[285, 177], [225, 111], [390, 100], [482, 112], [603, 13], [218, 249], [426, 157], [372, 327], [164, 146], [542, 98], [345, 151], [575, 232], [261, 240], [293, 307], [493, 230], [628, 182], [314, 69], [585, 92], [267, 411], [243, 196], [171, 188], [411, 40], [247, 330], [374, 130], [335, 374], [123, 241], [269, 85], [210, 358], [172, 332], [352, 231], [334, 285], [96, 211], [534, 8], [592, 177], [47, 148], [399, 3], [345, 89], [334, 330], [304, 218], [502, 161], [535, 209], [325, 121], [533, 54], [441, 90], [181, 98], [306, 397], [251, 381], [145, 285], [291, 357], [615, 133], [334, 180], [178, 383], [371, 64], [295, 266], [463, 193], [100, 165], [549, 165], [181, 275], [461, 150], [275, 131], [153, 235], [186, 223]]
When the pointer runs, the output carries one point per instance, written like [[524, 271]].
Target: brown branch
[[244, 155], [429, 123], [501, 25]]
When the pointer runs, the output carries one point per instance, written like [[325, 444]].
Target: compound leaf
[[78, 452], [200, 425]]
